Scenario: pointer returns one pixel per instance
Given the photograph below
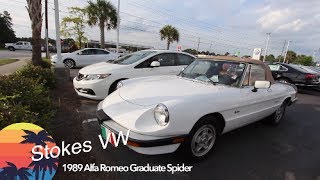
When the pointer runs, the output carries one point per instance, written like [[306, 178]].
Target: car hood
[[101, 68], [154, 90]]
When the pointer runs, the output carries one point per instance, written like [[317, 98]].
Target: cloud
[[229, 25], [295, 25]]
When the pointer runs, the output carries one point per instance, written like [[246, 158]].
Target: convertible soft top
[[269, 76]]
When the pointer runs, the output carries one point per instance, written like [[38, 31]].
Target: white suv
[[98, 80]]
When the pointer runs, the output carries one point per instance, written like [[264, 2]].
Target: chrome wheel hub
[[279, 113], [203, 140]]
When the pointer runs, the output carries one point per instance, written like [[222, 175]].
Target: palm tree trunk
[[37, 174], [168, 45], [34, 9], [43, 173], [102, 42]]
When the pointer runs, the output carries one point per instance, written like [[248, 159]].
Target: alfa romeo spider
[[191, 110]]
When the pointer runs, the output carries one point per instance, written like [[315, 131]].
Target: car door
[[19, 45], [167, 66], [85, 57], [102, 56], [258, 104], [182, 61]]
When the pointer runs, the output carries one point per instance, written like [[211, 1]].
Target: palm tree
[[34, 8], [103, 14], [11, 172], [170, 33], [39, 139], [43, 165]]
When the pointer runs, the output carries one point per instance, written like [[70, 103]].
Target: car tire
[[11, 48], [69, 63], [201, 139], [276, 118], [284, 80]]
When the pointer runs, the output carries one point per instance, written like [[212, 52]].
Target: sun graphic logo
[[16, 144]]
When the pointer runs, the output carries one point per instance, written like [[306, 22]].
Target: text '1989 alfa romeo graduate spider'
[[210, 97]]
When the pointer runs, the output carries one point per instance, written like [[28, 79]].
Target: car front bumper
[[144, 144], [95, 89]]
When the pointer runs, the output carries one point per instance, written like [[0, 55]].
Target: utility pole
[[46, 27], [118, 26], [265, 52], [314, 55], [61, 72], [57, 24], [285, 56], [284, 45], [198, 44]]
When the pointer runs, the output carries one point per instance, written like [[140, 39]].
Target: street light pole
[[198, 44], [285, 56], [46, 29], [265, 52], [118, 26], [58, 40], [61, 73]]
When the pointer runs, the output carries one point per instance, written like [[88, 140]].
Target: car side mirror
[[155, 64], [261, 85]]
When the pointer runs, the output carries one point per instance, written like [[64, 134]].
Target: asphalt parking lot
[[289, 151], [6, 54]]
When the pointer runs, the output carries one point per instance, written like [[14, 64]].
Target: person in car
[[224, 75]]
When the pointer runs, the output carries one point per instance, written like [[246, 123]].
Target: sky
[[219, 25]]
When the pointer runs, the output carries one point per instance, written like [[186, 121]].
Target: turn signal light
[[130, 143]]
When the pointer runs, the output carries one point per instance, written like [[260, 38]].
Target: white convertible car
[[208, 98]]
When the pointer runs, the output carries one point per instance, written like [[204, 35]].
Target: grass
[[3, 49], [7, 61]]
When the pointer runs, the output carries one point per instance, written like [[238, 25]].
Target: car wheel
[[69, 63], [11, 49], [201, 139], [277, 116], [284, 80]]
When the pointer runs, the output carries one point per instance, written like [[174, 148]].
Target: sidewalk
[[12, 67]]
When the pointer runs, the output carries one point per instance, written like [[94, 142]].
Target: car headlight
[[161, 114], [95, 76], [119, 85]]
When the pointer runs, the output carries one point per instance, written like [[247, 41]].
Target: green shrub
[[24, 100], [46, 63], [41, 75]]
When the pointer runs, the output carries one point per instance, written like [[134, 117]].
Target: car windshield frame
[[133, 57], [216, 77]]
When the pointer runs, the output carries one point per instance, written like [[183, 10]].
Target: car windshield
[[215, 72], [132, 58]]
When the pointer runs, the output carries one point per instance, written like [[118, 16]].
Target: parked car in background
[[190, 110], [85, 57], [98, 80], [51, 48], [20, 45], [315, 70], [295, 74]]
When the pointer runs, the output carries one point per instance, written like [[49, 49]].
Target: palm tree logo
[[16, 142], [11, 172], [40, 139]]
